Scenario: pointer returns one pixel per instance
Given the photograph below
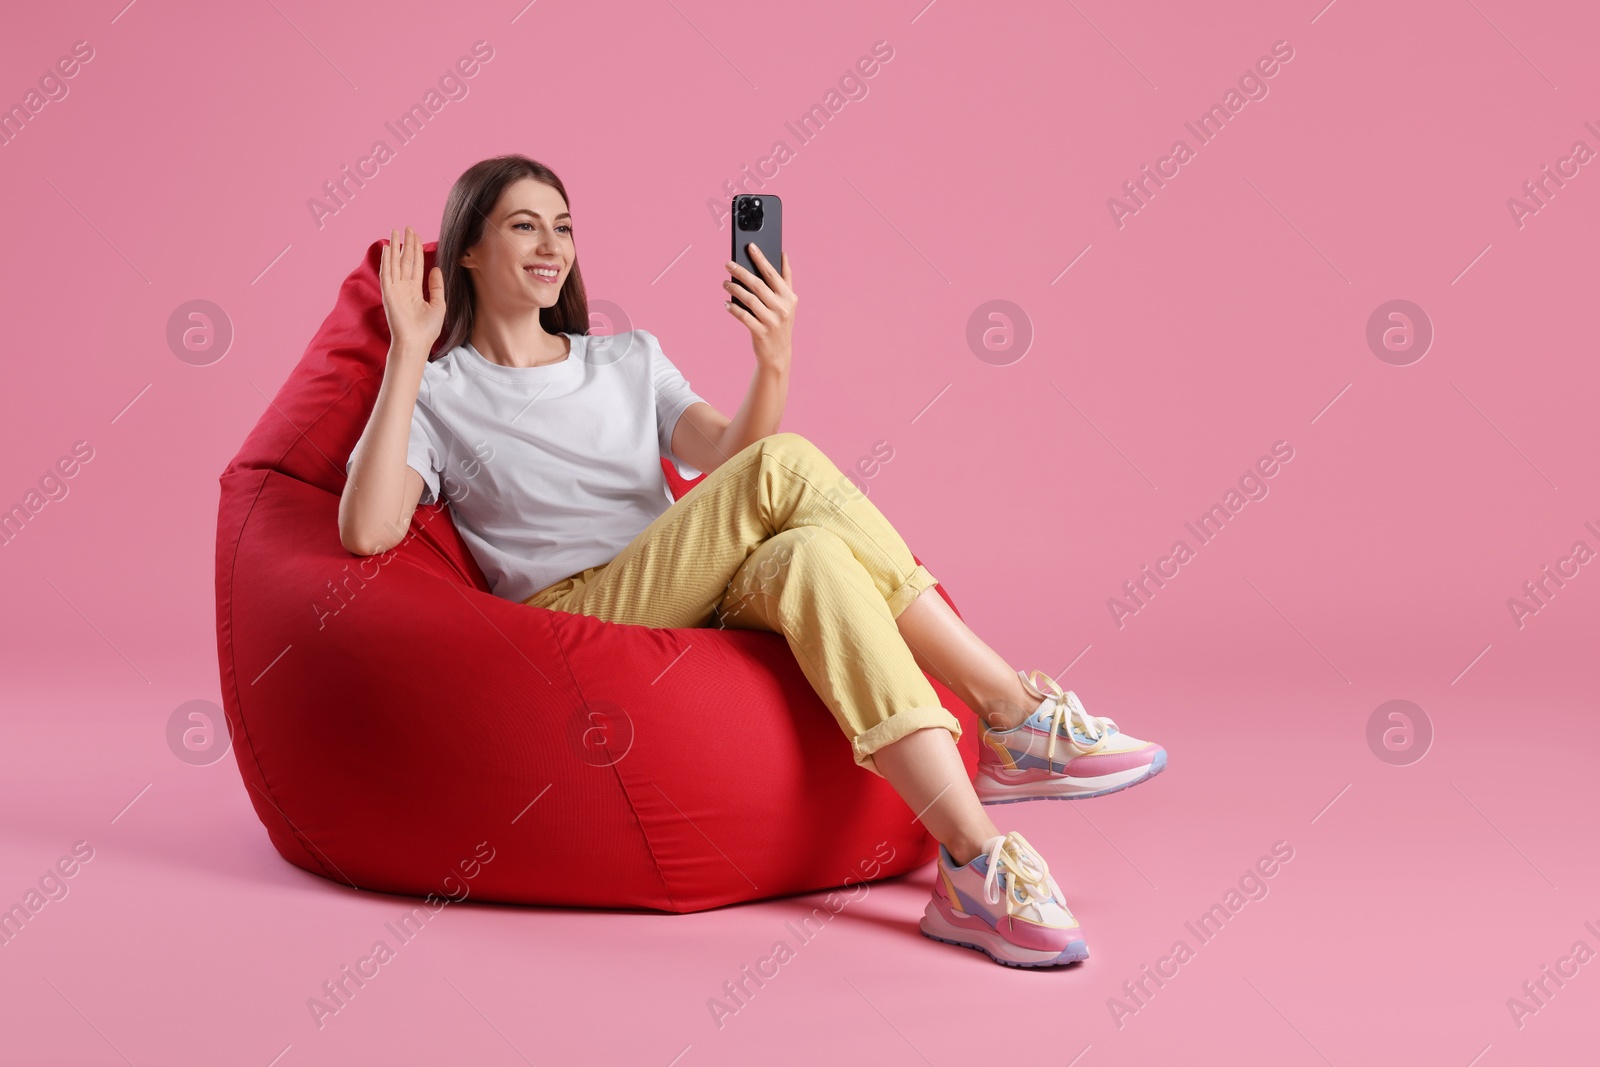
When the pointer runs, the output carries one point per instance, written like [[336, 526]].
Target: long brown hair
[[466, 210]]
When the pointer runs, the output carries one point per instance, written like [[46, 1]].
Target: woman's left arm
[[704, 437]]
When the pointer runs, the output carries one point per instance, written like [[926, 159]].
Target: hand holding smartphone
[[758, 219], [765, 280]]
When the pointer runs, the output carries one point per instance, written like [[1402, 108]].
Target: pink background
[[1223, 317]]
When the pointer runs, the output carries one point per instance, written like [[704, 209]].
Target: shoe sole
[[1075, 952], [1050, 788]]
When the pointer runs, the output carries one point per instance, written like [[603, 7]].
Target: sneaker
[[1061, 752], [1004, 904]]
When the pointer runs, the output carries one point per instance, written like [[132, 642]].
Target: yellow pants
[[778, 538]]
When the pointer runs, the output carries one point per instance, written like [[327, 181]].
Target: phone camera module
[[750, 213]]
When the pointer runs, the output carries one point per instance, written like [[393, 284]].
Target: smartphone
[[757, 218]]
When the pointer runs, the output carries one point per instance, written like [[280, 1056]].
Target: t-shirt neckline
[[479, 362]]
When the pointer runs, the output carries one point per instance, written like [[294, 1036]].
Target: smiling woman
[[508, 259], [577, 429], [574, 516]]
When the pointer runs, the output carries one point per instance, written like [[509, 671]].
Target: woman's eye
[[565, 226]]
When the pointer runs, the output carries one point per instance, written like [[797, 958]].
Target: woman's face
[[526, 251]]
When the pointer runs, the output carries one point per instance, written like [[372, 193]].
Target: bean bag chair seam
[[265, 787], [306, 433], [427, 537], [666, 887]]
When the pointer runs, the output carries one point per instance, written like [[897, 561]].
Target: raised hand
[[414, 319]]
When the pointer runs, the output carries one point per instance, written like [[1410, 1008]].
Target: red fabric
[[393, 720]]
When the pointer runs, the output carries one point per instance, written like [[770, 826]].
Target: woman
[[547, 443]]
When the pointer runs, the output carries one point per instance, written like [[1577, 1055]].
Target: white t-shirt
[[550, 469]]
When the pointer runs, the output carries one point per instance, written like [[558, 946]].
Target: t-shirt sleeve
[[673, 395], [424, 453]]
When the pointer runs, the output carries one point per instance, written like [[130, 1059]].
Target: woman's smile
[[547, 273]]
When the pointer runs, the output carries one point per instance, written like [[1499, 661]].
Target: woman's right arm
[[382, 491]]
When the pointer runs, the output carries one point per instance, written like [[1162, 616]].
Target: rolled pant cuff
[[910, 589], [898, 725]]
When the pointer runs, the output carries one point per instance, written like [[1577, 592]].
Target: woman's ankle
[[963, 852], [1005, 712]]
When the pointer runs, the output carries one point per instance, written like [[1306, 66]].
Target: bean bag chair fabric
[[401, 729]]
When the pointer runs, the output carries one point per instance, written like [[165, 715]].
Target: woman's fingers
[[742, 315], [752, 286], [758, 307], [763, 264], [400, 263], [780, 283], [400, 271], [753, 283], [397, 257]]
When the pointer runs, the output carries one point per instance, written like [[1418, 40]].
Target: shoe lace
[[1066, 710], [1027, 876]]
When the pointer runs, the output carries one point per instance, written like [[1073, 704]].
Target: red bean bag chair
[[399, 728]]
